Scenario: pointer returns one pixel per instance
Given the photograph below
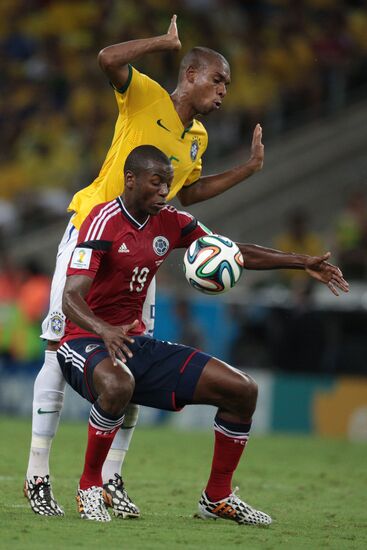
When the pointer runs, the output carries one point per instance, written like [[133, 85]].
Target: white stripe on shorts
[[72, 357]]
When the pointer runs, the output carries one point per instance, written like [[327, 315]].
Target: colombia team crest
[[160, 245]]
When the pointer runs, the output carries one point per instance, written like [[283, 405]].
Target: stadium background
[[298, 68]]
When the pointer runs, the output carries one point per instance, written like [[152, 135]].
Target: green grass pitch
[[315, 490]]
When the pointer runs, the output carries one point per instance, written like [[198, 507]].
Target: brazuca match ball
[[213, 264]]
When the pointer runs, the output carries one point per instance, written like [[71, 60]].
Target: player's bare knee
[[120, 387], [246, 395], [115, 390], [252, 387]]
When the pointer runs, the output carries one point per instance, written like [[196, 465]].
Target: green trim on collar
[[187, 130], [127, 83]]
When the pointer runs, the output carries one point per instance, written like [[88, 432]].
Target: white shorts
[[53, 326]]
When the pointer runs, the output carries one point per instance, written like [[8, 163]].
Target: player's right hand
[[257, 149], [172, 34], [115, 339], [320, 269]]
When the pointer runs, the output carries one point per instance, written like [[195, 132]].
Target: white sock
[[120, 444], [48, 398]]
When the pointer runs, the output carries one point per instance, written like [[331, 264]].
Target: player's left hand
[[256, 160], [172, 34], [321, 270]]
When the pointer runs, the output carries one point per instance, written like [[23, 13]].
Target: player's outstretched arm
[[210, 186], [77, 310], [259, 257], [114, 59]]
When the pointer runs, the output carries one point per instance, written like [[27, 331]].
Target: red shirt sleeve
[[90, 248], [191, 229]]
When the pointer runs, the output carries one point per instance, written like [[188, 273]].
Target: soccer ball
[[213, 264]]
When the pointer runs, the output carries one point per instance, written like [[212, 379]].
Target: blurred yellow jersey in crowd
[[309, 244], [147, 116]]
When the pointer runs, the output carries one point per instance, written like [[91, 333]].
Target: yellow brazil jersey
[[147, 116]]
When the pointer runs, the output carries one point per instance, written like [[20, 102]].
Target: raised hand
[[257, 149], [172, 34], [115, 338], [321, 270]]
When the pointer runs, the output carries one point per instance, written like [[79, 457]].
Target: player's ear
[[191, 74], [129, 179]]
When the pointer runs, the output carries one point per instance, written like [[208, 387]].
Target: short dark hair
[[138, 158], [199, 57]]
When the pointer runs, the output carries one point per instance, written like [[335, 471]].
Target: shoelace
[[94, 501], [118, 482], [44, 486], [235, 499]]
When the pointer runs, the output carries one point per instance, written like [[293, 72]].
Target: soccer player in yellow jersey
[[147, 115]]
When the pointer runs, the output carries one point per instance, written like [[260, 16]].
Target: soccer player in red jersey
[[106, 358]]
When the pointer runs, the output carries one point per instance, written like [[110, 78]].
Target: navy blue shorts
[[165, 374]]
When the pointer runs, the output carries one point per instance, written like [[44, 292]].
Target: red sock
[[99, 444], [230, 441]]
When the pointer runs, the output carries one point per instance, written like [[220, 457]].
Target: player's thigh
[[165, 374], [113, 380], [78, 359], [53, 326], [219, 384], [88, 369]]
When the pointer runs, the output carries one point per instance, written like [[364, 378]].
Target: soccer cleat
[[232, 508], [116, 497], [91, 504], [40, 497]]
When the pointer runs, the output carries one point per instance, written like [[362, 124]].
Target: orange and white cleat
[[232, 508]]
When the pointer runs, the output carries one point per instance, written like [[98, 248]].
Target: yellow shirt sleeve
[[138, 93], [195, 174]]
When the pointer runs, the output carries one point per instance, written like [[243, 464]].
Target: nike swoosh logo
[[40, 411], [162, 125]]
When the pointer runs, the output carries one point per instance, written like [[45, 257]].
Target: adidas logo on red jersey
[[123, 248]]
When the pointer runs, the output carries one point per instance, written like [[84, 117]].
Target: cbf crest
[[194, 149], [160, 245], [57, 323]]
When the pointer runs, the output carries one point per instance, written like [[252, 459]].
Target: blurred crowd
[[291, 61], [24, 296], [299, 332]]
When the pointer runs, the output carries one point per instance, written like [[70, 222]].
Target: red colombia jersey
[[122, 256]]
